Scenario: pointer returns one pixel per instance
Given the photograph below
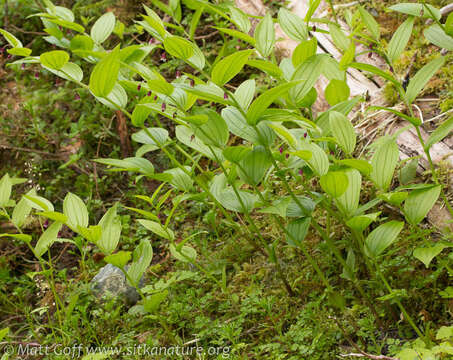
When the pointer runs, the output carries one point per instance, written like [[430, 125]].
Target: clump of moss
[[390, 94]]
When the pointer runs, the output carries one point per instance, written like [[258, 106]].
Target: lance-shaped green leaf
[[263, 101], [47, 238], [54, 59], [135, 164], [265, 35], [237, 34], [307, 74], [348, 57], [370, 23], [5, 189], [69, 71], [303, 51], [440, 133], [38, 202], [240, 19], [11, 39], [382, 237], [105, 74], [419, 10], [141, 258], [266, 66], [343, 131], [178, 47], [418, 82], [400, 39], [157, 229], [338, 37], [348, 202], [254, 165], [76, 211], [336, 92], [292, 25], [21, 211], [111, 231], [229, 67], [151, 136], [384, 163], [427, 254], [334, 183], [297, 230], [103, 27], [419, 203], [436, 35]]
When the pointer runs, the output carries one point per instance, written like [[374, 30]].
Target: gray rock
[[110, 281]]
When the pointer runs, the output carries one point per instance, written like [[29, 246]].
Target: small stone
[[110, 281]]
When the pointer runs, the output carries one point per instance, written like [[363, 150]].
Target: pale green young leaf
[[440, 133], [185, 253], [334, 183], [134, 164], [370, 23], [284, 134], [265, 35], [179, 179], [292, 25], [110, 224], [303, 51], [237, 34], [244, 93], [103, 27], [382, 237], [311, 10], [343, 131], [142, 256], [69, 71], [336, 92], [54, 59], [47, 238], [5, 189], [152, 303], [400, 39], [38, 202], [339, 38], [266, 66], [374, 70], [348, 57], [76, 211], [11, 39], [215, 131], [19, 51], [419, 203], [361, 165], [417, 83], [157, 229], [229, 67], [307, 73], [416, 9], [240, 19], [236, 153], [384, 163], [105, 74], [348, 202]]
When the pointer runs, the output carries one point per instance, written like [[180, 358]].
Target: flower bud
[[37, 75], [225, 96], [149, 93], [163, 57], [178, 74], [305, 135], [192, 82], [77, 96], [164, 107], [287, 156], [281, 150], [139, 86], [22, 66]]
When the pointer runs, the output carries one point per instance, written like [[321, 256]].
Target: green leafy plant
[[257, 138]]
